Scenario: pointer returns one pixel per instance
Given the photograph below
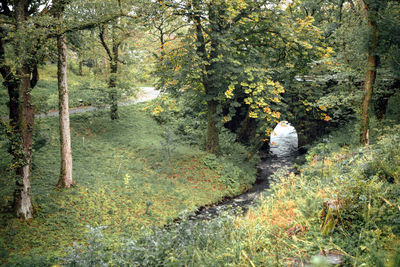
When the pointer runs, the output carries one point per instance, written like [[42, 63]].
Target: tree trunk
[[80, 69], [65, 179], [212, 134], [371, 71], [113, 59], [19, 85], [113, 91], [113, 80], [22, 155], [212, 138]]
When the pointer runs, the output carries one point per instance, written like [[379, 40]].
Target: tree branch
[[104, 44]]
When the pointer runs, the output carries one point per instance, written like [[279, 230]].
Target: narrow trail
[[146, 94]]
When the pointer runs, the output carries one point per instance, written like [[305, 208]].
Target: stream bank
[[268, 166]]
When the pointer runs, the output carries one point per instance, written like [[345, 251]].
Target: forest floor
[[127, 179], [144, 94], [84, 91]]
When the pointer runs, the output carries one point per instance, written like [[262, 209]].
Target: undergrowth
[[344, 207], [127, 179]]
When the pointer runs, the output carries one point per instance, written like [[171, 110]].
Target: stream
[[283, 152], [269, 165]]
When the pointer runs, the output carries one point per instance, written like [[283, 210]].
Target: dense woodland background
[[107, 187]]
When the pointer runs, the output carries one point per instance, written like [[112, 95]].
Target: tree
[[165, 26], [118, 34], [19, 81], [374, 11], [65, 179], [371, 15], [233, 54], [112, 36], [362, 34], [25, 28]]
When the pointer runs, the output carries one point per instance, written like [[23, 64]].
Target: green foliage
[[235, 176], [183, 115], [97, 252], [168, 147], [241, 57], [83, 91], [235, 169], [104, 153], [349, 215], [393, 110], [187, 243], [232, 176]]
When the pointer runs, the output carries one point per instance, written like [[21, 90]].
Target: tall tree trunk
[[370, 77], [23, 132], [212, 134], [113, 58], [212, 137], [113, 82], [65, 179], [21, 116]]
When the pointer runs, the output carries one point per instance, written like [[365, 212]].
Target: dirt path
[[146, 94]]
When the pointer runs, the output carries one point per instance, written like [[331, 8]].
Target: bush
[[199, 243]]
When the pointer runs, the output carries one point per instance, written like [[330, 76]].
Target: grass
[[123, 184], [344, 204], [130, 176], [83, 90], [297, 221]]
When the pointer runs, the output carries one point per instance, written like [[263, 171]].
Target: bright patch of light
[[284, 139]]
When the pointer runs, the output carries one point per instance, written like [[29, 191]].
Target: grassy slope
[[292, 224], [83, 90], [120, 167]]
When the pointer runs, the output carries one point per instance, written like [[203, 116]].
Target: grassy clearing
[[125, 181], [83, 90]]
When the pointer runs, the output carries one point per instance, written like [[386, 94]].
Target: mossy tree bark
[[371, 16], [22, 199], [21, 119], [21, 111]]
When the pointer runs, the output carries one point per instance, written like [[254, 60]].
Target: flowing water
[[266, 168], [283, 151]]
